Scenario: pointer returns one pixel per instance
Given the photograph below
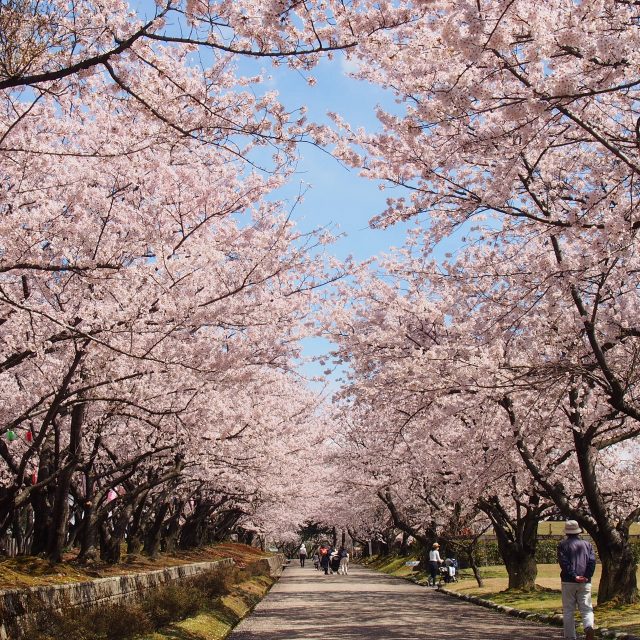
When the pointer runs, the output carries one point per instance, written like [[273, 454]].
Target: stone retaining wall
[[276, 564], [17, 603]]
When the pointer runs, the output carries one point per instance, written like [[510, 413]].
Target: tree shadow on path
[[378, 610]]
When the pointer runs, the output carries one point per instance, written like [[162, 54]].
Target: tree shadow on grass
[[226, 615], [544, 599]]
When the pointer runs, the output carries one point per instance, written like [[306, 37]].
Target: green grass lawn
[[545, 600]]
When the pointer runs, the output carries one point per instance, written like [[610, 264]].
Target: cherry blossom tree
[[422, 360], [517, 137]]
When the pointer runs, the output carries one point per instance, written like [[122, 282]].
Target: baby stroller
[[448, 571], [334, 562]]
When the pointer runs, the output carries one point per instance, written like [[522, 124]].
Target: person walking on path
[[302, 552], [434, 562], [344, 561], [577, 561], [324, 559]]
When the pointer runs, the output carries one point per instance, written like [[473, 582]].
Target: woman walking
[[302, 552], [434, 562], [344, 562]]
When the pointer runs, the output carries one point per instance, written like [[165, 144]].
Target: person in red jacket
[[577, 561], [324, 559]]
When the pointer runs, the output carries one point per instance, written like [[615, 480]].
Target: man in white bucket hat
[[577, 561]]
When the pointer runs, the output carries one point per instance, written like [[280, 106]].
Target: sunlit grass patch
[[205, 626], [30, 571], [397, 566], [623, 617], [237, 604], [543, 601]]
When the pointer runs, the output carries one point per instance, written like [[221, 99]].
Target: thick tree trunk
[[42, 498], [7, 506], [19, 529], [42, 521], [404, 547], [76, 525], [88, 537], [109, 547], [517, 539], [248, 537], [618, 580], [135, 543], [194, 528], [135, 533], [521, 568], [172, 530], [111, 541], [153, 534], [224, 523], [60, 515], [88, 533]]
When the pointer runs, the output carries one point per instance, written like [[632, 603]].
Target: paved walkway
[[366, 605]]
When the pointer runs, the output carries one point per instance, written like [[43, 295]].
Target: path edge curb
[[555, 620]]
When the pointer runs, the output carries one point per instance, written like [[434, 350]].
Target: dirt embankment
[[30, 571]]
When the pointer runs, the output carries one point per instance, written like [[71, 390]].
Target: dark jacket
[[576, 557]]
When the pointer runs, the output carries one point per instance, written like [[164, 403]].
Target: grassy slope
[[30, 571], [217, 621], [545, 600]]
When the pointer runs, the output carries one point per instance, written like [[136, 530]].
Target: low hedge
[[546, 552]]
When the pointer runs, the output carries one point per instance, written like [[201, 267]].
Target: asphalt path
[[366, 605]]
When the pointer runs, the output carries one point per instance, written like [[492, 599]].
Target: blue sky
[[336, 196]]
